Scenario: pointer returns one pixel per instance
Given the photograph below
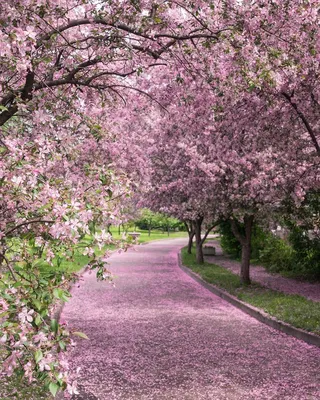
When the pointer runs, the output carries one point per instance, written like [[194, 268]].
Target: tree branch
[[37, 221], [209, 230], [9, 101], [9, 267], [236, 232], [122, 27], [304, 120]]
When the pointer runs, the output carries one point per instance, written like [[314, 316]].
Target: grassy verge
[[293, 309]]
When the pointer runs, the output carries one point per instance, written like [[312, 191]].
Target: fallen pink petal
[[160, 335]]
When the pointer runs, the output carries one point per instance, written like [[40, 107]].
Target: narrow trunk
[[190, 242], [119, 230], [245, 241], [246, 250], [168, 231], [149, 230], [199, 250], [108, 229], [191, 234], [245, 264]]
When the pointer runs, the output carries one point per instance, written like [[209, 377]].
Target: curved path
[[159, 335]]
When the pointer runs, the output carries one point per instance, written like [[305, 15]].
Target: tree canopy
[[204, 110]]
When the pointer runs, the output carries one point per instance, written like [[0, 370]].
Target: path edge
[[254, 312], [59, 305]]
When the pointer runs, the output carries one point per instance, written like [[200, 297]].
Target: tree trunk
[[108, 229], [168, 231], [199, 243], [190, 242], [149, 230], [245, 241], [119, 230], [245, 264], [191, 234]]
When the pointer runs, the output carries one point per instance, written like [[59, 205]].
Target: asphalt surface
[[160, 335]]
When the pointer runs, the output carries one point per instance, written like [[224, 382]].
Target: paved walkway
[[159, 335], [259, 274]]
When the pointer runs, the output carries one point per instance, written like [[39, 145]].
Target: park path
[[159, 335], [259, 274]]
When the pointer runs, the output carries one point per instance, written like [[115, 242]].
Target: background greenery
[[296, 256]]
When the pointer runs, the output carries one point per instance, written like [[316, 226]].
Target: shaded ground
[[160, 335], [259, 274]]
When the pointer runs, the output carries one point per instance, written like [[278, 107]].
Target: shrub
[[277, 255], [307, 253], [231, 245], [298, 257]]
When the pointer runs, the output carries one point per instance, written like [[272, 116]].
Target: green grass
[[293, 309], [79, 260], [144, 235]]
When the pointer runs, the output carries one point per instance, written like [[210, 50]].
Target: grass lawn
[[79, 260], [293, 309], [155, 235]]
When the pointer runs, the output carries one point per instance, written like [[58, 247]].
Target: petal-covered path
[[160, 335]]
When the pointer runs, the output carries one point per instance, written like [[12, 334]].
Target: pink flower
[[25, 315], [72, 388], [40, 338]]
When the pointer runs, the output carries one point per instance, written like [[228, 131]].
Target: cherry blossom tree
[[204, 159], [63, 64], [211, 107]]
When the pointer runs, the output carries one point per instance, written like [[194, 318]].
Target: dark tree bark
[[245, 241], [108, 229], [199, 242], [191, 233], [149, 229], [190, 242], [10, 101]]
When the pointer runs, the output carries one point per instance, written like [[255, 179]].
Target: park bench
[[134, 235], [209, 250]]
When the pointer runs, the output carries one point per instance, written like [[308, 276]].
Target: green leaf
[[37, 320], [62, 345], [38, 305], [38, 356], [61, 294], [53, 387], [81, 335], [54, 325]]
